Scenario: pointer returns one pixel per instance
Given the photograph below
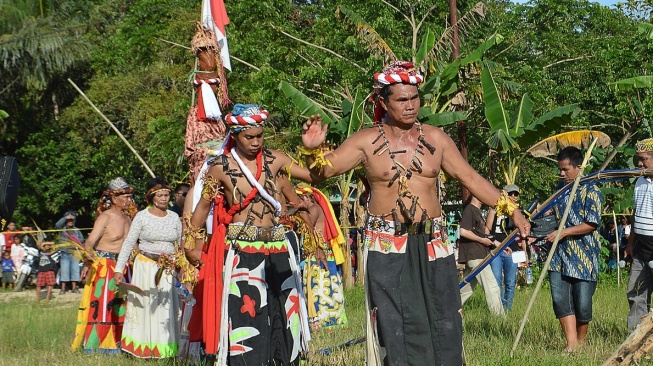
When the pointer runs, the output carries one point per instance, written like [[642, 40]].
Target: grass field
[[40, 334]]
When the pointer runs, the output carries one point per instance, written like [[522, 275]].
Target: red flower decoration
[[248, 306]]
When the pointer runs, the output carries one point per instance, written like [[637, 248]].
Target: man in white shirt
[[640, 241]]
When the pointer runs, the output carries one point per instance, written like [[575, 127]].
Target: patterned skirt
[[324, 293], [102, 309], [152, 321]]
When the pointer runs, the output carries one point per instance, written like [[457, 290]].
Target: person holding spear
[[574, 268]]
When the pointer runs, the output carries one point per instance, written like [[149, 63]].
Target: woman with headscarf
[[152, 320]]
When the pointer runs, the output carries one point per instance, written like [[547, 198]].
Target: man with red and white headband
[[413, 315]]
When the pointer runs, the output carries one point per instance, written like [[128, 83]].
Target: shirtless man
[[248, 246], [413, 298], [102, 248]]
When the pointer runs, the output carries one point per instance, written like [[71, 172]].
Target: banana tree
[[511, 131]]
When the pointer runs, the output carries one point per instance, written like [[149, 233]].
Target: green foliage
[[542, 55]]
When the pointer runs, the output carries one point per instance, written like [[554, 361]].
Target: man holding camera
[[640, 241], [473, 248]]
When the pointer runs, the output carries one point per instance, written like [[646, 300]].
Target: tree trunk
[[636, 346], [345, 209], [462, 126]]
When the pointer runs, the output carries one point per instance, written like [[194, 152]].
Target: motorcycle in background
[[29, 268]]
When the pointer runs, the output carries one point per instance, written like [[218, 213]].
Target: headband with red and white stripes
[[401, 78], [241, 121]]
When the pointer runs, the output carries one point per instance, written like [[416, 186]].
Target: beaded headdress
[[644, 145], [116, 187]]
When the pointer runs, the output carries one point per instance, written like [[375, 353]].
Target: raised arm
[[343, 159]]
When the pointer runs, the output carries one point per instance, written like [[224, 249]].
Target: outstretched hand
[[313, 132]]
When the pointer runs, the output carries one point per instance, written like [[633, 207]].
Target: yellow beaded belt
[[256, 233]]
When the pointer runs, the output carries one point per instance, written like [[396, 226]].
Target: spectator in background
[[17, 251], [640, 241], [574, 268], [181, 190], [70, 253], [504, 268], [9, 235], [45, 277], [624, 234], [609, 232], [8, 268], [28, 236], [474, 247]]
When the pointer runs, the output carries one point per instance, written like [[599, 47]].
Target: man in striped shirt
[[640, 242]]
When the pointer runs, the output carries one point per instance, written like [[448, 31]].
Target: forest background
[[131, 58]]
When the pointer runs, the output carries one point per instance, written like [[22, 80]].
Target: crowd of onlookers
[[57, 262]]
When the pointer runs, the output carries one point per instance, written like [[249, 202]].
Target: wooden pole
[[113, 127], [614, 218], [561, 226]]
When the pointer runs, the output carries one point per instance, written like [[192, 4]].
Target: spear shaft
[[113, 127]]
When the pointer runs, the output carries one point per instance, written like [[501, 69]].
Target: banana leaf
[[580, 139], [427, 43], [636, 82], [496, 114], [440, 119], [305, 104], [548, 123]]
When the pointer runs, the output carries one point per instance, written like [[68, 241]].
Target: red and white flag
[[214, 17]]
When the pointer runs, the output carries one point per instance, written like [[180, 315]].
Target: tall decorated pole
[[204, 129], [204, 122]]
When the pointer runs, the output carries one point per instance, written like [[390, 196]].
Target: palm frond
[[369, 37], [581, 139], [466, 23], [39, 50]]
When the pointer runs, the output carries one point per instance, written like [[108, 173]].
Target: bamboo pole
[[113, 127], [563, 220], [614, 218]]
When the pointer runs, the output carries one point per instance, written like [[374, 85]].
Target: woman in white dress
[[152, 320]]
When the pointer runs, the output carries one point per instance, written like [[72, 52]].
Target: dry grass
[[40, 334]]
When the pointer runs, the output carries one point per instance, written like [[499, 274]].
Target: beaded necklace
[[403, 174]]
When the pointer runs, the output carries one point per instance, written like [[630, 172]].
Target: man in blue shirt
[[575, 264]]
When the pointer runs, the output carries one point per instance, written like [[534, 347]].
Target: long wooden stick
[[614, 218], [113, 127], [561, 226]]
